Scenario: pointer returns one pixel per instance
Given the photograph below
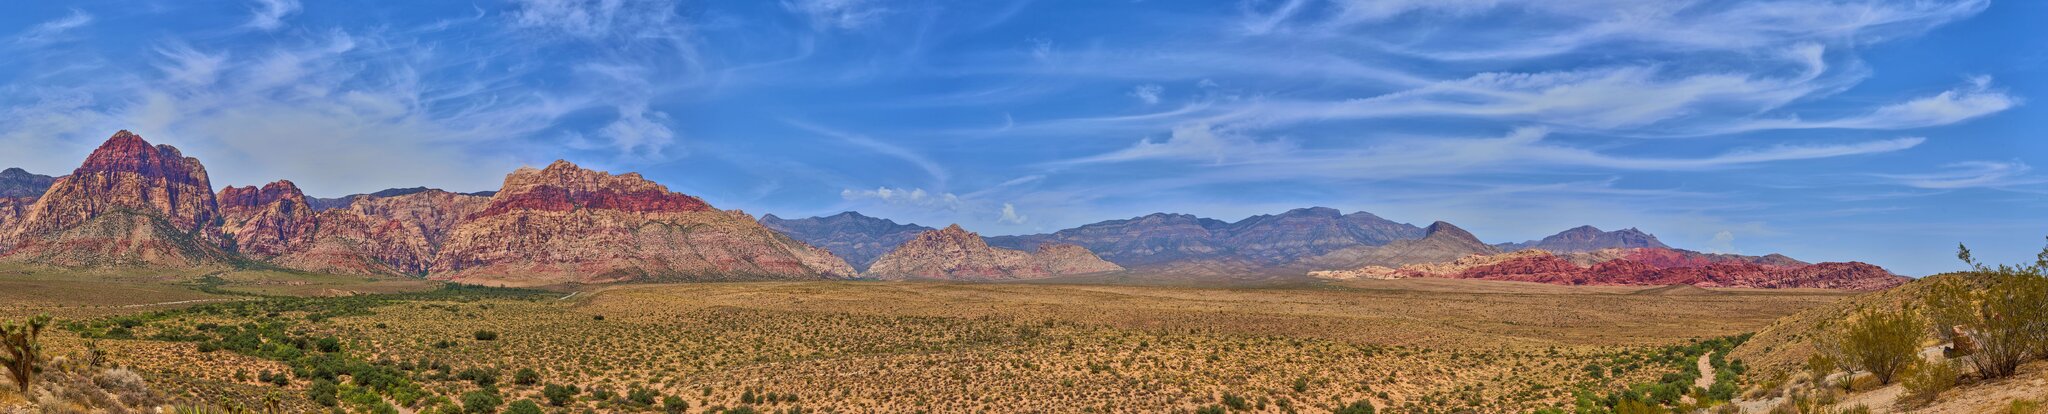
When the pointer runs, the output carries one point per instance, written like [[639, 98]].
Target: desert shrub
[[1212, 409], [486, 335], [481, 402], [1882, 342], [1928, 380], [674, 405], [558, 395], [643, 396], [328, 344], [526, 376], [1235, 402], [323, 392], [2004, 309], [482, 377], [523, 407], [1357, 407]]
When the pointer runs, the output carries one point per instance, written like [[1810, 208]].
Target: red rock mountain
[[129, 204], [566, 224], [954, 253], [266, 222], [1665, 267]]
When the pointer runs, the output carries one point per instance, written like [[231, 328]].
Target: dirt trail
[[181, 302], [1706, 379]]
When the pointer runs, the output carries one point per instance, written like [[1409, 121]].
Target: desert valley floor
[[1409, 345]]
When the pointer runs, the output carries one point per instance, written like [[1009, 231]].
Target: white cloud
[[52, 31], [269, 15], [639, 132], [1148, 93], [1970, 174], [1525, 29], [594, 19], [1194, 142], [1723, 242], [1615, 98], [938, 173], [1238, 157], [912, 197], [183, 64], [837, 14], [1010, 215], [1975, 100]]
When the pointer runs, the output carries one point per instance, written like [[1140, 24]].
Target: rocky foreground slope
[[953, 253]]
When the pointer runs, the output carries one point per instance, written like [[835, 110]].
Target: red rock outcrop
[[130, 203], [266, 222], [1658, 267], [566, 224], [954, 253]]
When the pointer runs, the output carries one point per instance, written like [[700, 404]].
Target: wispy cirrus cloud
[[837, 14], [1970, 174], [268, 15], [54, 30], [1237, 157]]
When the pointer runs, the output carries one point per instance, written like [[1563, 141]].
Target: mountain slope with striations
[[129, 204], [566, 224], [1180, 243], [954, 253], [857, 238], [1588, 238]]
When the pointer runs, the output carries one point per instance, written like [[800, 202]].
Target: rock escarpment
[[954, 253], [566, 224], [129, 204]]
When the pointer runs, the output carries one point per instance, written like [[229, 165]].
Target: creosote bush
[[1882, 342]]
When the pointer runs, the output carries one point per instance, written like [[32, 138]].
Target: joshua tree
[[23, 343]]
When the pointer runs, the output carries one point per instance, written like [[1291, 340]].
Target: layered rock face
[[857, 238], [266, 222], [371, 235], [1178, 243], [158, 208], [1664, 268], [954, 253], [566, 224], [1587, 239]]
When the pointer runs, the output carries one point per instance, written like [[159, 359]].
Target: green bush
[[1928, 380], [481, 402], [523, 407], [1358, 407], [486, 335], [674, 405], [558, 395], [1882, 342], [526, 376]]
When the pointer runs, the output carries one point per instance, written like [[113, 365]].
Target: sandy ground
[[1706, 379]]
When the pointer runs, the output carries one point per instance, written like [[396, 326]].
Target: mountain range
[[134, 204]]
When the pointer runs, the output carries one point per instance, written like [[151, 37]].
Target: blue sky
[[1881, 131]]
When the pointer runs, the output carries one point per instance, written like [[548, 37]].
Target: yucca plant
[[24, 349]]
